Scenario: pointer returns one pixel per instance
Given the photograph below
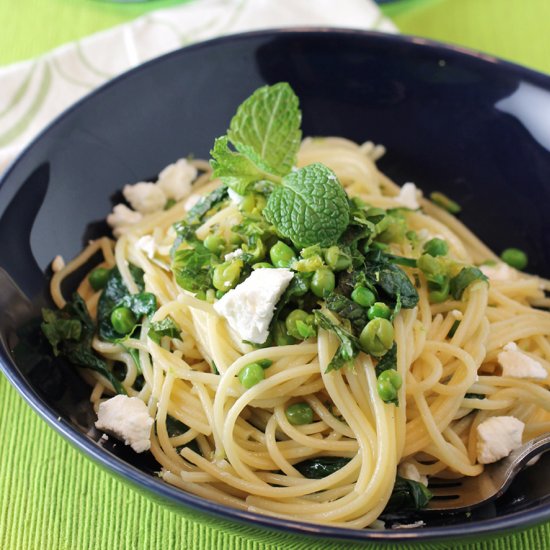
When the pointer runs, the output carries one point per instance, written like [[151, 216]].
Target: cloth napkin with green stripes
[[32, 93]]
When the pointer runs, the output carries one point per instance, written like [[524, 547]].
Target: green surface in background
[[517, 30]]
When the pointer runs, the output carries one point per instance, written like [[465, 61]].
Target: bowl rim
[[174, 495]]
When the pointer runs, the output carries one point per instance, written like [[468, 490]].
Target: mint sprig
[[310, 207], [266, 128], [262, 140]]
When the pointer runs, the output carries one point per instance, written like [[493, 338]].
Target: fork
[[457, 495]]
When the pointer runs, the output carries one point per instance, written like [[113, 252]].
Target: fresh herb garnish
[[407, 495], [310, 207], [322, 466], [265, 133], [166, 327], [115, 295], [349, 345], [70, 332]]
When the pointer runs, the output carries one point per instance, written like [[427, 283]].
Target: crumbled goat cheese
[[148, 245], [457, 314], [122, 218], [497, 437], [233, 255], [191, 201], [499, 272], [517, 364], [408, 196], [128, 419], [176, 179], [145, 197], [235, 197], [249, 307], [409, 471], [58, 263]]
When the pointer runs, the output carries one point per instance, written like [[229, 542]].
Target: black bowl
[[466, 124]]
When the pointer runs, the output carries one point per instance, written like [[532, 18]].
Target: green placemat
[[51, 497]]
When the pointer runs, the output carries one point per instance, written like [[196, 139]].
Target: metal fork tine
[[468, 492]]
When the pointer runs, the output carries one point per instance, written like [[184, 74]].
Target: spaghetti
[[237, 446]]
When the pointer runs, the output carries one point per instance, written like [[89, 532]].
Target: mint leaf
[[266, 128], [311, 207], [236, 170], [349, 345], [166, 327]]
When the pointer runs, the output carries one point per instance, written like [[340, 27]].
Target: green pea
[[393, 376], [514, 257], [220, 294], [299, 414], [386, 390], [291, 322], [379, 310], [376, 337], [250, 375], [247, 204], [235, 239], [363, 296], [123, 320], [262, 265], [436, 247], [282, 255], [264, 363], [214, 243], [226, 275], [337, 259], [281, 336], [323, 282], [445, 202], [98, 278]]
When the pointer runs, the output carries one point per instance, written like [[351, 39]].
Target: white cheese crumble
[[58, 263], [148, 245], [145, 197], [408, 196], [236, 198], [409, 471], [176, 179], [517, 364], [497, 437], [233, 255], [128, 419], [457, 314], [499, 272], [249, 307], [122, 218]]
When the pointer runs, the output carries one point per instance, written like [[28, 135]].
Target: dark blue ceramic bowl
[[469, 125]]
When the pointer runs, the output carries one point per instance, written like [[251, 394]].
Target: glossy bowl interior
[[471, 126]]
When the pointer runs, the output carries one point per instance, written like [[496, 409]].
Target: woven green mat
[[51, 497]]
